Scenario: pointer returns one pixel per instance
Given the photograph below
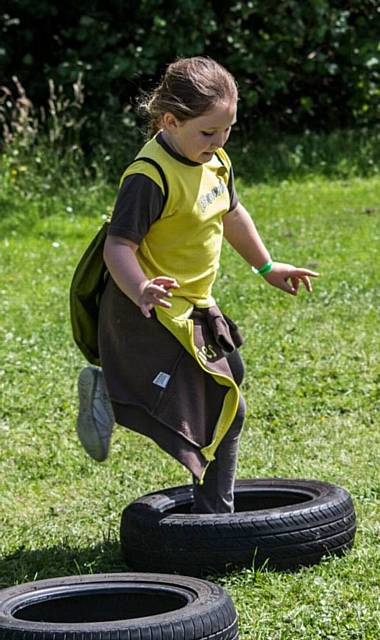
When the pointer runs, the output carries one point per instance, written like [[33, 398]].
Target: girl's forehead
[[222, 114]]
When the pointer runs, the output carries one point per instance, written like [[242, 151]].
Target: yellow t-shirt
[[185, 242]]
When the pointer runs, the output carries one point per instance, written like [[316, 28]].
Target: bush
[[305, 63], [299, 64]]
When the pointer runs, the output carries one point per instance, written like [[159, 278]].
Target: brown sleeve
[[234, 200], [138, 205]]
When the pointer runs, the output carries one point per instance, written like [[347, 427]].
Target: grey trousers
[[216, 494]]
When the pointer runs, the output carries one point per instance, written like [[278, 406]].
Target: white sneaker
[[95, 418]]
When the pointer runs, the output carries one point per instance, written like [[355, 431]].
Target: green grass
[[312, 389]]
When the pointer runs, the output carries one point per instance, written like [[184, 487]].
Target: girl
[[170, 361]]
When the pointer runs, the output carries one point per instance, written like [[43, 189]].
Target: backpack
[[88, 283]]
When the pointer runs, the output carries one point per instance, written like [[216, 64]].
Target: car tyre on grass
[[117, 606], [279, 523]]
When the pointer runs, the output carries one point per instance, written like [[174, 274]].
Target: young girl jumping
[[169, 356]]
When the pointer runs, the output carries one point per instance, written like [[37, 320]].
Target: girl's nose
[[219, 140]]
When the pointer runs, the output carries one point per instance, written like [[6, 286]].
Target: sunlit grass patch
[[312, 390]]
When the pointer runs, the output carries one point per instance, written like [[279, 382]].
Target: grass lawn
[[312, 389]]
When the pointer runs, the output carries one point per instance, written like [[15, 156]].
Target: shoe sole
[[86, 426]]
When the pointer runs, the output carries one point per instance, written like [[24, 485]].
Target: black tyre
[[118, 606], [283, 524]]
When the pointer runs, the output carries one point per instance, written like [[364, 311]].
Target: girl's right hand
[[154, 292]]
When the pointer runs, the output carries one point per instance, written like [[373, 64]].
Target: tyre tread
[[184, 540]]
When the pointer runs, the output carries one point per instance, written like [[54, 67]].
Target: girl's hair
[[189, 88]]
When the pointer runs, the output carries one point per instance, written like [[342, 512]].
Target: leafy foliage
[[298, 64]]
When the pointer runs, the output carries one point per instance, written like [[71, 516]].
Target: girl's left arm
[[241, 233]]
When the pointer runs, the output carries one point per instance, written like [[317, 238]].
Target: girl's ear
[[169, 122]]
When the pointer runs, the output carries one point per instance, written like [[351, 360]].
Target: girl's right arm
[[121, 262]]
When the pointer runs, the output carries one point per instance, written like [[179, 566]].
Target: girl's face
[[198, 138]]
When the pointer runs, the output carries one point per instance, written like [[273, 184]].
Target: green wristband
[[266, 268]]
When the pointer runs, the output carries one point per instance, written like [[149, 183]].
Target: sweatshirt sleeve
[[139, 204], [234, 200]]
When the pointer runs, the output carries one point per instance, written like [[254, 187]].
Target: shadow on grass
[[25, 565]]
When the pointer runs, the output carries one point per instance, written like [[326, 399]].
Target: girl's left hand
[[288, 278]]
